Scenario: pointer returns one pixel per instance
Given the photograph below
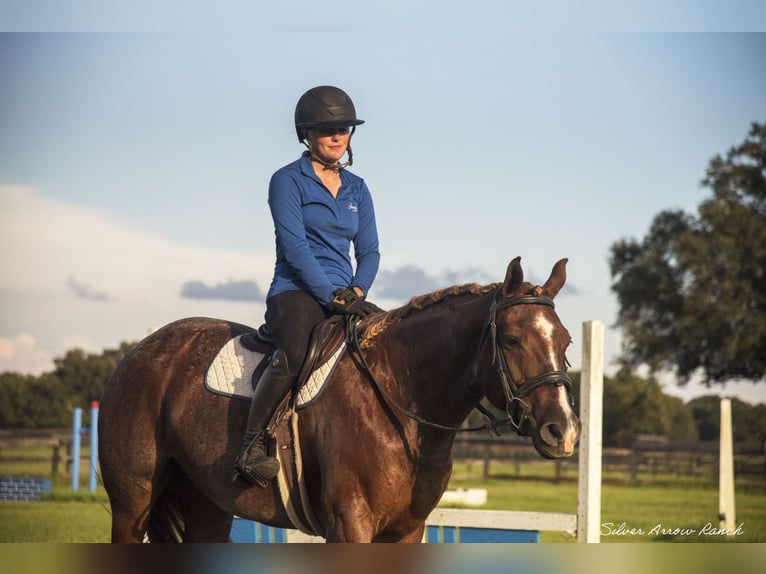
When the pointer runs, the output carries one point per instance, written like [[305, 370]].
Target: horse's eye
[[509, 342]]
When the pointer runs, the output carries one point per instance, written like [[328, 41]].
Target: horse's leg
[[205, 522], [131, 505], [416, 536], [350, 520], [400, 533], [133, 477]]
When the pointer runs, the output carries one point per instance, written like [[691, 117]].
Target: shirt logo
[[352, 207]]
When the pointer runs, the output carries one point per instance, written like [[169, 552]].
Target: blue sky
[[134, 166]]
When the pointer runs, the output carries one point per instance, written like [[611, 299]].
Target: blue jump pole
[[76, 431], [93, 446]]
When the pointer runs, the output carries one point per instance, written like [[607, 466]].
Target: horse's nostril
[[551, 433]]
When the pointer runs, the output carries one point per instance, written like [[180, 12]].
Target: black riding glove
[[348, 302]]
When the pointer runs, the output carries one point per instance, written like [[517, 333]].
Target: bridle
[[513, 392], [517, 392]]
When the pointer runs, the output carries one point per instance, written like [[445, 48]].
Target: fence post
[[55, 460], [726, 515], [635, 460], [591, 402]]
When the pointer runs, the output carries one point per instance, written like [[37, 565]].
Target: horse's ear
[[514, 276], [557, 279]]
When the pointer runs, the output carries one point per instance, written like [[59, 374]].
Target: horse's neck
[[438, 351]]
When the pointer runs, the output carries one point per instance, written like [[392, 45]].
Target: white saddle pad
[[230, 374]]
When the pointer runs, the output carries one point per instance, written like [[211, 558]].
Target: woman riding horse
[[319, 208], [375, 446]]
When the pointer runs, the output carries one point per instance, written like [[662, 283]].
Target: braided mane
[[377, 324]]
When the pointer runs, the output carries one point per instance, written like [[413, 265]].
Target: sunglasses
[[332, 131]]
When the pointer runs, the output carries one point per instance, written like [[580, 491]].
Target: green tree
[[49, 399], [28, 401], [748, 421], [635, 405], [12, 398], [85, 374], [692, 293]]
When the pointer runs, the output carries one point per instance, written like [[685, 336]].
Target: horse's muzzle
[[557, 438]]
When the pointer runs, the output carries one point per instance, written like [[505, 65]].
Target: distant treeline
[[632, 404], [47, 400]]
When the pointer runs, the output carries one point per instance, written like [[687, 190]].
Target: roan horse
[[377, 444]]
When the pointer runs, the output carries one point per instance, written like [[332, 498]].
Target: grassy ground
[[639, 513], [85, 520], [62, 516], [630, 513]]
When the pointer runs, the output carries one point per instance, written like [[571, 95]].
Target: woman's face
[[330, 144]]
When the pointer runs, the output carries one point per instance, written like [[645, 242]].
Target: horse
[[376, 444]]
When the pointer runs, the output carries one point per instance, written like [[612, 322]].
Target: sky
[[135, 155]]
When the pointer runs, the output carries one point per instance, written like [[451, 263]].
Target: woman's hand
[[351, 301]]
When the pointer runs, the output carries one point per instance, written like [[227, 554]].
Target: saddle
[[325, 339]]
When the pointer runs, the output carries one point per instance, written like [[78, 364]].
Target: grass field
[[630, 513], [647, 513]]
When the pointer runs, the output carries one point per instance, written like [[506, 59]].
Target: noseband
[[517, 392]]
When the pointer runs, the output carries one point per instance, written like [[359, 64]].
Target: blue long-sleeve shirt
[[314, 232]]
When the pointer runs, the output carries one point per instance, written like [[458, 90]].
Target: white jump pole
[[591, 403], [726, 514]]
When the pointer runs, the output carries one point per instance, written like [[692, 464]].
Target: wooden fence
[[649, 459], [59, 440], [645, 461]]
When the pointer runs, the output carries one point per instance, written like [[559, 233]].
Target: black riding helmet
[[324, 107]]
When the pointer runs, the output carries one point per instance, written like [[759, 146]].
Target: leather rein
[[513, 391]]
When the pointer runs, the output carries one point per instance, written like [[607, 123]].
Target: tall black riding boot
[[253, 465]]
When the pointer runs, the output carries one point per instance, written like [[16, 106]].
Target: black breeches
[[290, 318]]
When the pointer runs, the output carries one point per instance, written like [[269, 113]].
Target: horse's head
[[527, 344]]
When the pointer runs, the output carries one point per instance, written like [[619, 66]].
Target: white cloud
[[45, 243], [73, 274], [232, 290], [22, 354]]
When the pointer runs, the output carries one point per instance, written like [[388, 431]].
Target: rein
[[352, 339], [512, 391]]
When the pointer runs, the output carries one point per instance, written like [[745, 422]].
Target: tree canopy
[[635, 405], [692, 293], [29, 401], [748, 421]]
